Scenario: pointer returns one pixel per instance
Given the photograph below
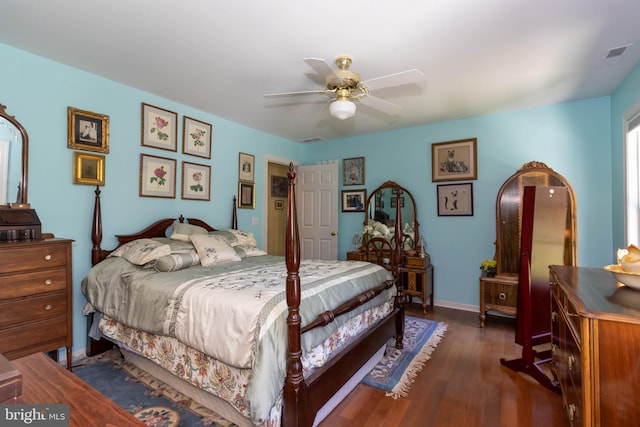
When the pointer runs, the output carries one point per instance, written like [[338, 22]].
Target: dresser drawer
[[414, 261], [33, 257], [500, 294], [32, 283], [31, 309], [29, 338]]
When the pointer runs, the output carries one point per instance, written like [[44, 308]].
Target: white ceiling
[[221, 57]]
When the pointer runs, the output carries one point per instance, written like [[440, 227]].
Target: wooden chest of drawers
[[416, 277], [35, 297], [595, 328]]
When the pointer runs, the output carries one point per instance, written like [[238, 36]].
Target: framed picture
[[246, 195], [88, 168], [279, 186], [157, 176], [196, 181], [455, 199], [196, 138], [279, 204], [454, 160], [353, 200], [353, 171], [159, 128], [394, 202], [246, 164], [87, 131]]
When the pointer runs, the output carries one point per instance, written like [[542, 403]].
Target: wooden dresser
[[35, 297], [498, 294], [596, 346]]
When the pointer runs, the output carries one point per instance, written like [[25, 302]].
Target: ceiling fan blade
[[381, 105], [304, 92], [397, 79], [319, 65]]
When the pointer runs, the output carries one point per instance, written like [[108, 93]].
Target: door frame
[[268, 158]]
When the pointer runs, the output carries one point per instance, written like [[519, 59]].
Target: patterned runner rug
[[157, 404], [398, 368]]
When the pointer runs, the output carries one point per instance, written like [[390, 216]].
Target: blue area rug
[[398, 368], [148, 399]]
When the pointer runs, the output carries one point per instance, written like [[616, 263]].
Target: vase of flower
[[489, 267]]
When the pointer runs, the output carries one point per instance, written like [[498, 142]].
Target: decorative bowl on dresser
[[35, 297]]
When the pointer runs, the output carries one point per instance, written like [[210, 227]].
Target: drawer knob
[[554, 316], [502, 296], [571, 362], [48, 307], [47, 257], [573, 412], [48, 282]]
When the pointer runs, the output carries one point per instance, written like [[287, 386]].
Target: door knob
[[333, 233]]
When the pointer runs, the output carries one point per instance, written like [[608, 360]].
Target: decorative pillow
[[175, 262], [229, 237], [247, 251], [243, 237], [142, 251], [177, 246], [213, 249], [183, 231]]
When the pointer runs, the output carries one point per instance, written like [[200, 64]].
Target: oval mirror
[[14, 160]]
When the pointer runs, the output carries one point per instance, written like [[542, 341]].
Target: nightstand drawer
[[414, 261], [32, 283], [33, 257], [500, 294], [31, 309]]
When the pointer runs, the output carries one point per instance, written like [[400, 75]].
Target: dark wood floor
[[463, 384]]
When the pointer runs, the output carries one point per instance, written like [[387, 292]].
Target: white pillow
[[141, 251], [213, 249], [243, 238], [183, 231], [247, 251]]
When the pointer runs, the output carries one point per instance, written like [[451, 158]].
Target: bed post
[[234, 214], [295, 391], [96, 229], [399, 255]]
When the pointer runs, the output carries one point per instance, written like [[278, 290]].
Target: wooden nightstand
[[416, 276], [499, 294]]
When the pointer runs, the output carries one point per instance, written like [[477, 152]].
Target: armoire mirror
[[381, 208], [509, 215], [14, 160]]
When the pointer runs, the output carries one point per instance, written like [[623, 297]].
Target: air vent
[[313, 139], [614, 54]]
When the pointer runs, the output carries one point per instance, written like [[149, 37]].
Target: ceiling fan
[[345, 87]]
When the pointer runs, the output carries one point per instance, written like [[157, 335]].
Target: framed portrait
[[353, 171], [353, 200], [157, 176], [88, 168], [454, 160], [279, 204], [246, 195], [196, 137], [246, 165], [394, 202], [87, 131], [196, 181], [455, 199], [279, 186], [159, 128]]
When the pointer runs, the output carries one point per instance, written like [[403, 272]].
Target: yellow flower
[[489, 265]]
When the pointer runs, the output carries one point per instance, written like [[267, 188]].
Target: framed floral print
[[353, 171], [88, 168], [246, 163], [87, 131], [196, 181], [455, 199], [454, 160], [159, 128], [246, 195], [196, 138], [157, 176]]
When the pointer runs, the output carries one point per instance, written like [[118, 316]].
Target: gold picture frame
[[246, 166], [454, 160], [87, 131], [88, 169], [246, 195]]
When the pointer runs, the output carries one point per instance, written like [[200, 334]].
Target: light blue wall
[[572, 138], [624, 98], [38, 91]]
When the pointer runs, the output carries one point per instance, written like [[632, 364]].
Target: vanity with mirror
[[35, 272], [390, 213]]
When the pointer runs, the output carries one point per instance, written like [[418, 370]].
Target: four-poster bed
[[371, 301]]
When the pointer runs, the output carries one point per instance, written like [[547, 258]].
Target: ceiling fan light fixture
[[342, 109]]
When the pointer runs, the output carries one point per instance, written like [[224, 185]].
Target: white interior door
[[317, 205]]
